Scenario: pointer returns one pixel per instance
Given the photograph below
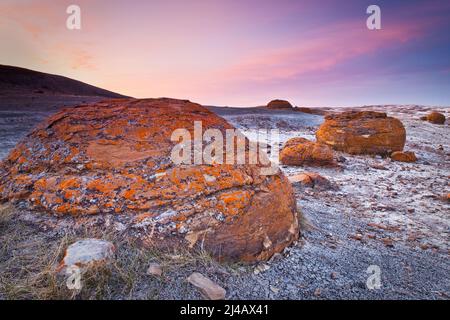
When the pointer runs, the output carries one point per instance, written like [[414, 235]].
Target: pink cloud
[[33, 17], [44, 26], [322, 50], [82, 59]]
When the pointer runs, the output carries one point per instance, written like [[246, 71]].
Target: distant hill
[[15, 80]]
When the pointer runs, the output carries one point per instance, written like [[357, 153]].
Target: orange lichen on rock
[[233, 202], [129, 194], [114, 157], [101, 185], [362, 132], [69, 183]]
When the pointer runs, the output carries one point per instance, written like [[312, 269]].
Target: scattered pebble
[[207, 287], [154, 269], [274, 289]]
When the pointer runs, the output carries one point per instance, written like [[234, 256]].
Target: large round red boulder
[[362, 132], [114, 158]]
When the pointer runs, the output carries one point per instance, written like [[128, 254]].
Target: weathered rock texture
[[114, 158], [362, 132], [404, 156], [279, 104], [300, 151]]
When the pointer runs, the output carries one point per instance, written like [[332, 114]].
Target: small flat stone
[[88, 252], [154, 269], [274, 289], [207, 287]]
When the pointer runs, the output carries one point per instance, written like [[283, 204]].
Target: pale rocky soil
[[384, 213], [19, 114], [395, 208]]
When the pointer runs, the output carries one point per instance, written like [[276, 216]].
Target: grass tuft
[[29, 258]]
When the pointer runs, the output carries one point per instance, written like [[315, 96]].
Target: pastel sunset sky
[[239, 53]]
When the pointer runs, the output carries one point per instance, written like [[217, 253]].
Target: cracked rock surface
[[114, 157]]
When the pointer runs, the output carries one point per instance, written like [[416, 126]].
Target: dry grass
[[6, 214], [28, 259]]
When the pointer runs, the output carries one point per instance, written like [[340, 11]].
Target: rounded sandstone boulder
[[435, 117], [279, 104], [312, 180], [300, 151], [404, 156], [362, 132], [115, 158]]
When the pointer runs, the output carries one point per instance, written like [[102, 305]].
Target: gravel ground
[[398, 212], [382, 213], [19, 114]]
